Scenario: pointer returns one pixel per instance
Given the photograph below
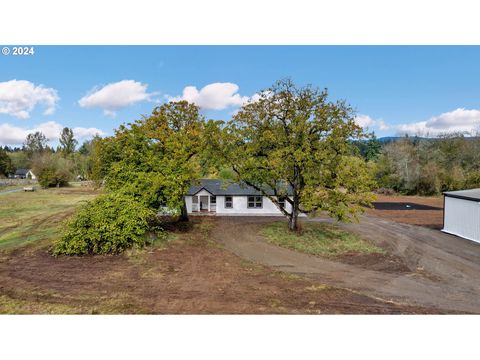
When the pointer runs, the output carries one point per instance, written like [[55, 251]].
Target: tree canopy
[[35, 142], [153, 158], [67, 141], [293, 139]]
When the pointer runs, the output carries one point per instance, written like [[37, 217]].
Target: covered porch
[[204, 203]]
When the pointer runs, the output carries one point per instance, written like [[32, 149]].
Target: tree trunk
[[292, 222], [293, 219], [184, 213]]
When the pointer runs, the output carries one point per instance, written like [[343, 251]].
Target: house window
[[282, 203], [228, 202], [254, 202], [213, 199]]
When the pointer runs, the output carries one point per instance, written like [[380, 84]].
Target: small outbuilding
[[461, 213]]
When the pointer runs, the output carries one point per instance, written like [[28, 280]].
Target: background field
[[27, 217]]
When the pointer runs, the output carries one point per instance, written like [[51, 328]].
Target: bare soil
[[378, 262], [424, 267], [191, 275], [414, 210]]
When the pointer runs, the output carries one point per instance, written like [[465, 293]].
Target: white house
[[24, 174], [461, 213], [217, 197]]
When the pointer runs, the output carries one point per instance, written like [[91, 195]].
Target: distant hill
[[388, 138], [385, 139]]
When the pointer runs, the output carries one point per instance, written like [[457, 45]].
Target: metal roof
[[224, 187], [472, 194]]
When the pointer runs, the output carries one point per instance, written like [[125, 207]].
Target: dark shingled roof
[[21, 172], [224, 187], [472, 194]]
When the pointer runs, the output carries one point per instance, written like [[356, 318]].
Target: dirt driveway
[[444, 270]]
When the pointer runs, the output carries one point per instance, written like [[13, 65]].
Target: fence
[[17, 182]]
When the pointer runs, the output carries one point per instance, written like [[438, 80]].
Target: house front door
[[203, 203]]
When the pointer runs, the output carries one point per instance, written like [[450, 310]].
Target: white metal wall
[[462, 218]]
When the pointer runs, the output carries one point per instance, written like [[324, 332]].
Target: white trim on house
[[31, 175]]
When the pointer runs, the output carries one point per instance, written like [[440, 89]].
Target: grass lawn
[[318, 239], [27, 217]]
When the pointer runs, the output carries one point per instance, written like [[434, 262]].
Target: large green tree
[[67, 141], [146, 164], [155, 158], [293, 140]]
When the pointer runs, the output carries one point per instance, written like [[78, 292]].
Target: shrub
[[52, 169], [111, 223], [472, 180], [53, 177], [385, 191]]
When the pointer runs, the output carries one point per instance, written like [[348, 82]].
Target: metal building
[[461, 213]]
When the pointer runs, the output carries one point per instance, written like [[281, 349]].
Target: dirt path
[[443, 269]]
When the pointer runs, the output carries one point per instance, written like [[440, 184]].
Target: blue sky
[[395, 89]]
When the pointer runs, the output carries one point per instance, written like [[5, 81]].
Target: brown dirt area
[[413, 210], [191, 275], [379, 262], [422, 266]]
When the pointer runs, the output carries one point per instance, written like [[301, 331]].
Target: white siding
[[462, 218], [240, 207], [31, 175]]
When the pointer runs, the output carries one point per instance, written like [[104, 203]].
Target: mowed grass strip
[[318, 239], [27, 217]]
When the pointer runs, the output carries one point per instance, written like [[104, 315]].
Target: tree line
[[424, 166], [52, 166]]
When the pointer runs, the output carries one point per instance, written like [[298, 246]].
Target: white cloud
[[115, 96], [215, 96], [364, 121], [82, 133], [459, 120], [50, 129], [15, 135], [367, 122], [19, 97]]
